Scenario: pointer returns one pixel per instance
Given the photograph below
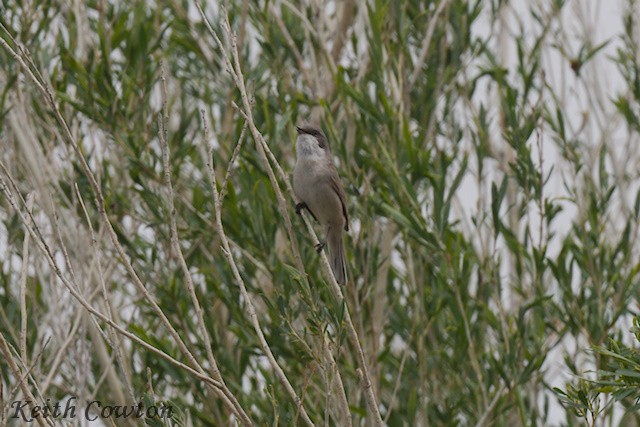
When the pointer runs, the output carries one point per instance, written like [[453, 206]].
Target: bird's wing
[[334, 181]]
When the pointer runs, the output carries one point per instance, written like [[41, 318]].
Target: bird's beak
[[299, 130]]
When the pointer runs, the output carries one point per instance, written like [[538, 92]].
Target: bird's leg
[[300, 206]]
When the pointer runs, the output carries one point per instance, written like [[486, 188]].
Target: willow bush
[[151, 252]]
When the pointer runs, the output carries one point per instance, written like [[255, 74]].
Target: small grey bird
[[317, 185]]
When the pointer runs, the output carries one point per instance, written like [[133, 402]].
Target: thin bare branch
[[424, 50], [15, 370], [113, 341], [226, 395], [236, 72], [232, 162], [44, 248], [249, 307], [100, 205], [23, 289]]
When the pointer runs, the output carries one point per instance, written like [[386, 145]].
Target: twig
[[353, 335], [311, 29], [62, 351], [188, 280], [344, 414], [296, 52], [28, 373], [266, 155], [396, 387], [8, 357], [23, 289], [236, 73], [473, 355], [346, 18], [29, 369], [233, 68], [424, 50], [305, 385], [270, 155], [103, 377], [251, 311], [98, 336], [100, 205], [483, 419], [232, 161], [44, 248], [113, 339], [369, 395]]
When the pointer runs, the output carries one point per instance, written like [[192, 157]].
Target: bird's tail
[[337, 256]]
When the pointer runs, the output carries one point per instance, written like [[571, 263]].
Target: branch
[[23, 289], [188, 280], [46, 91], [249, 307], [15, 370], [113, 341], [262, 148], [100, 203], [232, 161], [44, 248], [424, 51]]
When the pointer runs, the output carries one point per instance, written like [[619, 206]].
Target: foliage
[[492, 178]]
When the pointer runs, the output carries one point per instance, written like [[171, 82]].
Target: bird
[[317, 186]]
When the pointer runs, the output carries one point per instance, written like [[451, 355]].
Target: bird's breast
[[311, 184], [305, 177]]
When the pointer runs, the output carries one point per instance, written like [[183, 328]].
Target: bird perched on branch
[[317, 185]]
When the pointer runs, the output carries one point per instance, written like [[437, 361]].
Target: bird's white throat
[[307, 148]]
